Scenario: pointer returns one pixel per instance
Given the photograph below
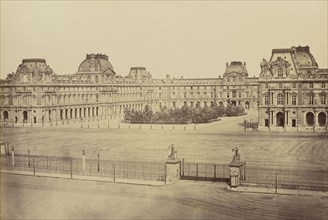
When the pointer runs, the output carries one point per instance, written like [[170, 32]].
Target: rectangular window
[[311, 99], [294, 85], [323, 100], [266, 100], [323, 85], [311, 85], [294, 100]]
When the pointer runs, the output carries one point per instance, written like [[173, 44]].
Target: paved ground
[[29, 197], [302, 154]]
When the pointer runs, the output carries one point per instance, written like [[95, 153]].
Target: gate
[[205, 172]]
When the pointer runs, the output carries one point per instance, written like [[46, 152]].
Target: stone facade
[[292, 92]]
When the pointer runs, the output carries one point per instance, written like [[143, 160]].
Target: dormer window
[[280, 73]]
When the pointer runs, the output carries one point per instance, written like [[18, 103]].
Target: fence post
[[71, 169], [165, 173], [114, 172], [13, 156], [29, 159], [33, 167], [214, 172], [83, 161], [276, 190], [98, 163], [197, 171], [182, 166], [244, 170]]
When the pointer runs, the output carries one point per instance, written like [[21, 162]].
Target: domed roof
[[236, 67], [34, 65], [304, 58], [96, 63]]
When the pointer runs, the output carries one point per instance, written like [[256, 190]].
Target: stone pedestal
[[235, 166], [172, 170]]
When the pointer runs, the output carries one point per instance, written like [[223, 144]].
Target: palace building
[[292, 92], [35, 96]]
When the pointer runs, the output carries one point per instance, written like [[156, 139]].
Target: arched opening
[[25, 116], [93, 111], [89, 112], [309, 118], [5, 116], [61, 114], [97, 111], [221, 103], [49, 115], [280, 119], [322, 119], [66, 114], [246, 105], [71, 114], [212, 103]]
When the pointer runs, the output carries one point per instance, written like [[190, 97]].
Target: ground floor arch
[[280, 119], [25, 116], [309, 117], [322, 119], [5, 115]]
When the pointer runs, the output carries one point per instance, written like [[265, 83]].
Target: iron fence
[[91, 167], [202, 171]]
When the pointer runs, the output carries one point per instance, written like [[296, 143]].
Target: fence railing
[[288, 178], [202, 171], [92, 167]]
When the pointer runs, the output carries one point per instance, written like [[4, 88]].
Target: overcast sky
[[191, 39]]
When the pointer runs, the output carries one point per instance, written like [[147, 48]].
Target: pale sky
[[193, 39]]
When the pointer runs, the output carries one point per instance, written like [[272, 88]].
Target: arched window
[[280, 99], [280, 73]]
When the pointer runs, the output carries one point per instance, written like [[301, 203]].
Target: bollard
[[83, 161], [29, 159], [13, 156]]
